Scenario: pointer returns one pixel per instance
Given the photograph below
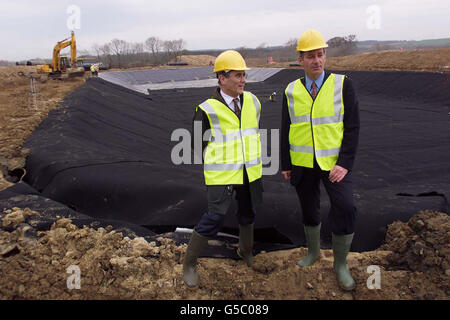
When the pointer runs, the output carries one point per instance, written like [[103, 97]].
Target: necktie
[[237, 110], [314, 90]]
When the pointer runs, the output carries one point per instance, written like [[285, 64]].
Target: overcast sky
[[30, 29]]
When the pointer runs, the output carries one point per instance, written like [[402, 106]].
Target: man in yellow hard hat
[[232, 159], [318, 142]]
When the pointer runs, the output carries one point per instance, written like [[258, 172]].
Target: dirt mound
[[44, 265], [11, 76], [424, 60], [198, 60], [34, 265], [422, 246], [192, 61]]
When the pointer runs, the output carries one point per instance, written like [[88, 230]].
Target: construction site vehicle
[[61, 68]]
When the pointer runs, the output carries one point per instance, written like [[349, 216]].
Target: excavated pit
[[106, 154]]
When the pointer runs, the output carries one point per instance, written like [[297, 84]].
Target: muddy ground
[[413, 264], [19, 117]]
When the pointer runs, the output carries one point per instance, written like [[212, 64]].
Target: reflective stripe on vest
[[233, 145], [316, 126]]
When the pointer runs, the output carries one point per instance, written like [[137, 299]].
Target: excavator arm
[[73, 51], [59, 46]]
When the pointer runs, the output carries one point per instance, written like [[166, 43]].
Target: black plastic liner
[[21, 195]]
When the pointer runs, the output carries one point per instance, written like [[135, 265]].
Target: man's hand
[[286, 174], [337, 173]]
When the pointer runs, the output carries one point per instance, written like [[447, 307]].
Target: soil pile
[[422, 246], [198, 60], [44, 265], [424, 60]]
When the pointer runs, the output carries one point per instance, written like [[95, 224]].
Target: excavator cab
[[64, 63]]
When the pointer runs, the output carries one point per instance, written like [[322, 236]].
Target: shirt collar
[[318, 81], [228, 99]]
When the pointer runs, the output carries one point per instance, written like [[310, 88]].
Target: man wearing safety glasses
[[231, 149]]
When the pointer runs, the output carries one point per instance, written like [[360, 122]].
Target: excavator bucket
[[75, 72]]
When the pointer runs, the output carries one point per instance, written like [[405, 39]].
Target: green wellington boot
[[245, 250], [313, 243], [194, 249], [341, 247]]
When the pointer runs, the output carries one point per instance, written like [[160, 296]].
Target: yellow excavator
[[60, 68]]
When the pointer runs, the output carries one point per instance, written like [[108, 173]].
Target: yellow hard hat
[[230, 60], [311, 40]]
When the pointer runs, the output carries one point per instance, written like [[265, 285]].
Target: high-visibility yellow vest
[[317, 126], [233, 146]]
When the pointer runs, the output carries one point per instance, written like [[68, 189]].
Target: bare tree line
[[284, 53], [342, 46], [155, 51], [4, 63], [337, 46], [123, 54]]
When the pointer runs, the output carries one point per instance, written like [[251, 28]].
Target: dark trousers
[[213, 219], [342, 210]]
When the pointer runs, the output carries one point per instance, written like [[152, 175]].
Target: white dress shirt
[[229, 100]]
